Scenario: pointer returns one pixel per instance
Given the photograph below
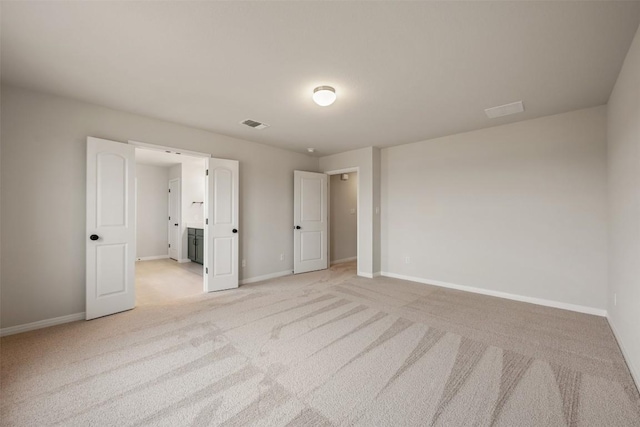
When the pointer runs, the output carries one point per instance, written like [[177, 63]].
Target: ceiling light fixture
[[324, 95], [311, 150]]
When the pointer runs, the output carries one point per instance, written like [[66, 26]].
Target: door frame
[[166, 148], [179, 242], [189, 153], [339, 172]]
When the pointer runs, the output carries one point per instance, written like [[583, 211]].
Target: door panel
[[310, 199], [223, 191], [111, 262], [310, 222], [310, 245], [175, 211], [221, 251], [110, 258], [111, 177], [223, 263]]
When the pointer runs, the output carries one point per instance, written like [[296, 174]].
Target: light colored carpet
[[324, 348], [163, 281]]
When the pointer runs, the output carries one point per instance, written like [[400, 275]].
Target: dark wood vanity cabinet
[[196, 245]]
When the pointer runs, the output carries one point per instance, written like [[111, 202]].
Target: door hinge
[[169, 190], [169, 218], [206, 221], [206, 270], [169, 244], [207, 172]]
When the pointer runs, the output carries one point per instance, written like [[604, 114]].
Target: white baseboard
[[151, 258], [11, 330], [369, 275], [343, 260], [532, 300], [182, 261], [265, 277], [635, 372]]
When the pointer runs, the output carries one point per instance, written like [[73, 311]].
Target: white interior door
[[310, 222], [174, 219], [221, 225], [111, 227]]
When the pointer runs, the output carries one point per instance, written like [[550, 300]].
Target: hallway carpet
[[162, 281], [322, 349]]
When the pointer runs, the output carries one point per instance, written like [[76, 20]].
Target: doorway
[[116, 199], [326, 226], [170, 192], [343, 218], [353, 178]]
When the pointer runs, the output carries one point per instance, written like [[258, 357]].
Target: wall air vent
[[504, 110], [253, 124]]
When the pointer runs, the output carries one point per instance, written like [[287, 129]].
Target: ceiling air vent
[[253, 124], [504, 110]]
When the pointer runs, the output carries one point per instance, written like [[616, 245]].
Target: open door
[[310, 226], [175, 211], [111, 227], [221, 225]]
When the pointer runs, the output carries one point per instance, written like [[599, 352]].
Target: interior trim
[[635, 373], [265, 277], [539, 301], [11, 330]]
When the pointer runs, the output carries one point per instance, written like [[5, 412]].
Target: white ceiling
[[403, 71], [146, 156]]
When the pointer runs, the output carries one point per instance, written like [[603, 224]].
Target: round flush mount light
[[324, 95], [311, 150]]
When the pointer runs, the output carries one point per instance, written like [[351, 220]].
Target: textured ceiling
[[403, 71]]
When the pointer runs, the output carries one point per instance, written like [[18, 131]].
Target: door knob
[[235, 230], [175, 225], [298, 227], [94, 237]]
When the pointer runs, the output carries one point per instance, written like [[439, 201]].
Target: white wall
[[376, 185], [151, 210], [175, 171], [193, 180], [343, 220], [518, 209], [43, 196], [363, 159], [623, 134]]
